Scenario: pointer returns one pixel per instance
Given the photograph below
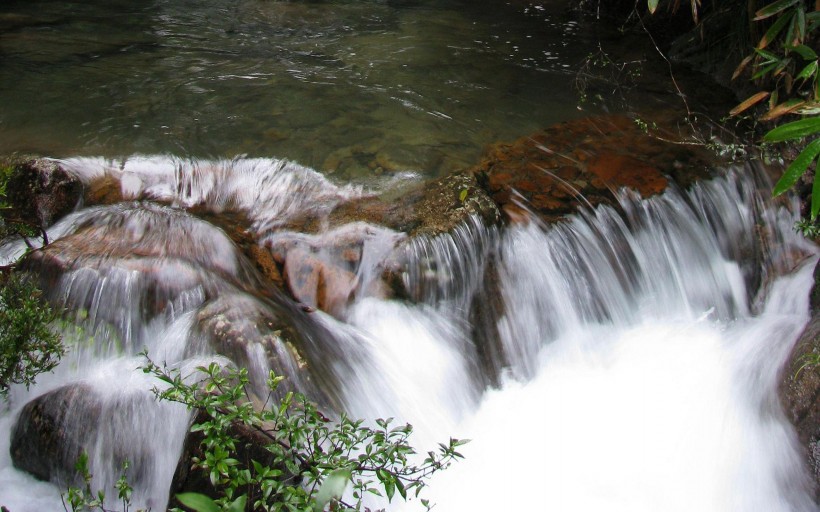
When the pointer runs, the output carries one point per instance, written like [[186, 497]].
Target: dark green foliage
[[12, 221], [28, 346], [311, 459]]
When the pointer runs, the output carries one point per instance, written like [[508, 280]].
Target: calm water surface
[[346, 87]]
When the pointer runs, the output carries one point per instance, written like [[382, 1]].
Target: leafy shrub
[[312, 460], [28, 346]]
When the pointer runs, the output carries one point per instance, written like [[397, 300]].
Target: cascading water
[[626, 359]]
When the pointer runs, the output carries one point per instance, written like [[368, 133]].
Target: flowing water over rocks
[[609, 314], [433, 317]]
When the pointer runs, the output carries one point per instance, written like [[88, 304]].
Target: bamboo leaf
[[773, 31], [809, 109], [749, 102], [799, 24], [781, 66], [813, 21], [815, 193], [796, 169], [238, 505], [804, 51], [787, 107], [793, 130], [764, 71], [808, 71], [774, 8], [767, 55], [740, 67]]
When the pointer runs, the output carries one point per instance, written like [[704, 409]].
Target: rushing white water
[[635, 351], [641, 370]]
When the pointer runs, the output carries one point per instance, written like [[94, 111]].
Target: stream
[[624, 359]]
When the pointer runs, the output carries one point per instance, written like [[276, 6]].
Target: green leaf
[[808, 71], [463, 195], [804, 51], [815, 193], [774, 8], [390, 488], [238, 505], [652, 5], [198, 502], [794, 130], [332, 488], [767, 55], [773, 31], [800, 24], [813, 20], [796, 169]]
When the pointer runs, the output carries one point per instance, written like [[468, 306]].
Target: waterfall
[[625, 359]]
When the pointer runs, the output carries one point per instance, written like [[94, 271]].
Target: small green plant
[[28, 345], [311, 460], [807, 228], [82, 499], [808, 361]]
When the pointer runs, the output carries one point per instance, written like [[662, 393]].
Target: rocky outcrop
[[40, 192], [800, 387], [583, 163], [262, 336], [357, 249]]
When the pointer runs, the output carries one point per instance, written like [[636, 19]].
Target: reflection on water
[[351, 87]]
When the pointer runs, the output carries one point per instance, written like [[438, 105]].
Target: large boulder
[[51, 430], [800, 387]]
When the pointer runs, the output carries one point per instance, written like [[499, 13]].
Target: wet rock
[[40, 192], [251, 334], [316, 283], [48, 436], [583, 163], [105, 190], [263, 335], [328, 270], [320, 257], [124, 265], [431, 207], [800, 387], [53, 430]]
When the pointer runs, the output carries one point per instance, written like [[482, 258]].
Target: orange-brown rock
[[627, 171], [582, 163], [318, 283]]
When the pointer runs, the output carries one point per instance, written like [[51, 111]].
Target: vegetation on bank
[[784, 67]]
